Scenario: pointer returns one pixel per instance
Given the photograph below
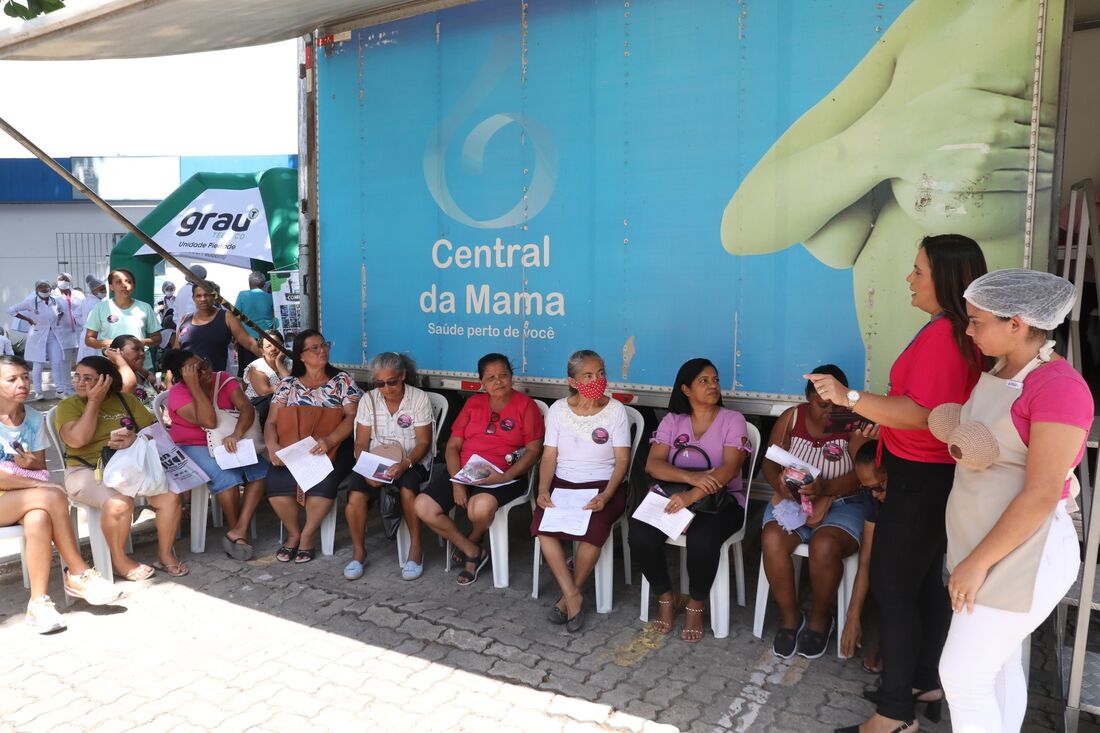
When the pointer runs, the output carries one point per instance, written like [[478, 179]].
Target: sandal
[[286, 553], [176, 570], [662, 627], [238, 549], [466, 577], [141, 572], [304, 556], [692, 635]]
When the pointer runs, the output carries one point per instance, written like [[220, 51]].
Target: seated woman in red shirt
[[492, 424]]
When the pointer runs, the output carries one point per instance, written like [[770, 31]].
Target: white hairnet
[[1038, 298]]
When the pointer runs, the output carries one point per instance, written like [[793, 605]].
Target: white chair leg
[[404, 541], [23, 560], [624, 527], [605, 576], [739, 569], [644, 614], [720, 598], [1025, 653], [535, 566], [216, 518], [763, 588], [328, 531], [498, 547], [200, 506], [101, 553], [844, 596]]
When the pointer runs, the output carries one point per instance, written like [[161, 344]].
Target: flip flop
[[466, 577], [177, 570], [238, 549], [304, 556], [141, 572], [286, 553]]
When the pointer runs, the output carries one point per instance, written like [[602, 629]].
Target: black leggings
[[705, 536], [907, 580]]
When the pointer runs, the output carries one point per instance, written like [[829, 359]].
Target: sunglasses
[[391, 382], [491, 428]]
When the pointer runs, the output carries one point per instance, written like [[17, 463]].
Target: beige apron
[[979, 497]]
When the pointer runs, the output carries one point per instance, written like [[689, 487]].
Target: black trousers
[[244, 358], [705, 536], [907, 561]]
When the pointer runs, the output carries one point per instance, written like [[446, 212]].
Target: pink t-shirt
[[930, 371], [1054, 393], [184, 432], [728, 428]]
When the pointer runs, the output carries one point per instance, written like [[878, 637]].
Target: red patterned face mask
[[592, 390]]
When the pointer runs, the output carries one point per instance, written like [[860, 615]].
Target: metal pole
[[132, 228]]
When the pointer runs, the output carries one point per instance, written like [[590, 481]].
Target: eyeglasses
[[85, 378], [391, 382], [491, 428], [873, 487], [317, 348]]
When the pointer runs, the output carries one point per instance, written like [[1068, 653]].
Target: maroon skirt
[[599, 524]]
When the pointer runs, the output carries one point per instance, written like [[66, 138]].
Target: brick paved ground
[[271, 647]]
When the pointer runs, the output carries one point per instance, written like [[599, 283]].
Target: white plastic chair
[[16, 530], [201, 498], [498, 530], [439, 414], [720, 589], [605, 565], [101, 553], [843, 591]]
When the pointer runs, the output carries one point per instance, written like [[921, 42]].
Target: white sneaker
[[92, 587], [43, 617]]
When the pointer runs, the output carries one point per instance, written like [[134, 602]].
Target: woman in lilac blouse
[[697, 432]]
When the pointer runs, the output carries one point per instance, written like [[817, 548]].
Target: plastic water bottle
[[515, 455]]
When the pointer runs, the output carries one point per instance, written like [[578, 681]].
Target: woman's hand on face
[[99, 390], [230, 443], [191, 374], [598, 502], [461, 495], [964, 584], [115, 355], [829, 388]]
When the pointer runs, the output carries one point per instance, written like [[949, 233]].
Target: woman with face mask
[[587, 446], [42, 311], [70, 328]]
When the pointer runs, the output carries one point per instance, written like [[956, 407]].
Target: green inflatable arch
[[278, 191]]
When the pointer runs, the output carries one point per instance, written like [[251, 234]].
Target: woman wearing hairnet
[[42, 311], [1011, 547]]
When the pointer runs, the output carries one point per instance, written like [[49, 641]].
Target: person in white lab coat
[[42, 311], [71, 327], [185, 303], [97, 291], [5, 344]]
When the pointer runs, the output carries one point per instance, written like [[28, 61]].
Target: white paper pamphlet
[[568, 514], [776, 454], [307, 469], [245, 455], [652, 511], [183, 474], [373, 467], [476, 469]]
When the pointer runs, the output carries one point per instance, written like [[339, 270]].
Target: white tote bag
[[136, 470]]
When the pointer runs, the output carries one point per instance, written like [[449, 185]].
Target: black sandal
[[466, 577], [304, 556], [286, 553]]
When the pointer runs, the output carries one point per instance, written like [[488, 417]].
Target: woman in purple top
[[696, 424]]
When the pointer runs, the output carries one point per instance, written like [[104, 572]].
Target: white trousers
[[60, 368], [981, 668]]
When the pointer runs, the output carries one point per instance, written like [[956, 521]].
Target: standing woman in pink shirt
[[1011, 546]]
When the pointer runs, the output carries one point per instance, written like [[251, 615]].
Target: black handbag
[[391, 510], [105, 453], [715, 503]]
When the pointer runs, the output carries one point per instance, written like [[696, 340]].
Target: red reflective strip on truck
[[470, 386], [625, 397]]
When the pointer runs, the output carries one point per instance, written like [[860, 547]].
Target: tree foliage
[[27, 9]]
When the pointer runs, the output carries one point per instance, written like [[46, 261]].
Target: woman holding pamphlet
[[586, 449], [492, 426], [311, 418], [699, 447], [196, 397], [394, 422]]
